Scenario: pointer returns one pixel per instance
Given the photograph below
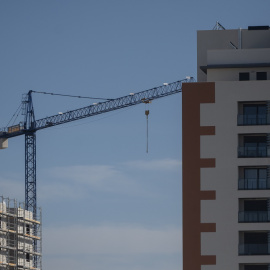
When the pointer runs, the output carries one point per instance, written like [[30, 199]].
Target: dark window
[[254, 114], [255, 146], [27, 229], [255, 205], [255, 141], [243, 76], [261, 76], [255, 238], [255, 173], [254, 211], [255, 243], [256, 267], [27, 257], [254, 178]]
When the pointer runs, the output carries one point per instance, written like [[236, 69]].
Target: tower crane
[[30, 126]]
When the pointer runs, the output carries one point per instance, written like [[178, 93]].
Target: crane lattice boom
[[92, 110]]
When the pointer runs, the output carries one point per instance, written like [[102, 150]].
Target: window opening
[[255, 146], [256, 267], [255, 114], [255, 178], [27, 228], [261, 76], [256, 238], [244, 76], [255, 205], [27, 257]]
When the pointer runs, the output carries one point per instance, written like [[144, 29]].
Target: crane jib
[[107, 106], [97, 108]]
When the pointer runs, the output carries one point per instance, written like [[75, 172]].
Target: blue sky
[[105, 202]]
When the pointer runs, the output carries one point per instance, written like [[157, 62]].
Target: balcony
[[253, 119], [253, 183], [254, 249], [254, 216], [253, 113], [253, 151]]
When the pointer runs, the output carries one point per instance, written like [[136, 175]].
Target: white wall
[[224, 178]]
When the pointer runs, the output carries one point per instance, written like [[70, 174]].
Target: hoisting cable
[[63, 95], [146, 102], [146, 113]]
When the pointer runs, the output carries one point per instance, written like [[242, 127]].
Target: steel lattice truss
[[30, 172], [99, 108]]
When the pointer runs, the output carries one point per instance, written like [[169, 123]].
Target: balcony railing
[[250, 120], [254, 216], [254, 249], [253, 183], [253, 151]]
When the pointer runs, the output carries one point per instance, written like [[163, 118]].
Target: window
[[27, 229], [253, 178], [253, 243], [253, 146], [244, 76], [253, 113], [261, 76], [256, 142], [253, 210], [255, 238], [27, 257], [255, 205], [256, 267]]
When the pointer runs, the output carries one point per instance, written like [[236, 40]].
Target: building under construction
[[20, 236]]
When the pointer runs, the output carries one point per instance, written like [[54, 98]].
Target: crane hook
[[146, 102]]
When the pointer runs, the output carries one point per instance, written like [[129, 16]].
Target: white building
[[226, 153], [20, 237]]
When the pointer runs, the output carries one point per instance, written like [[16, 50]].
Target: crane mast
[[30, 154], [30, 126]]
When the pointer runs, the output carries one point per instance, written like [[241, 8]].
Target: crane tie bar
[[63, 95]]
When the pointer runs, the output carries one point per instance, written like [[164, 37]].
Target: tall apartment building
[[226, 153], [20, 237]]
